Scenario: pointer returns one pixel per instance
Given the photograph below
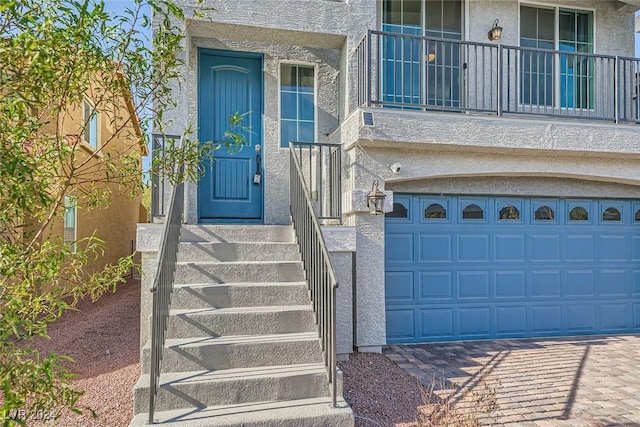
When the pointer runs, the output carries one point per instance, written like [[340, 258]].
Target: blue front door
[[231, 188], [466, 268]]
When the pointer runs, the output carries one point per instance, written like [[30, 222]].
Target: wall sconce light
[[431, 56], [375, 200], [496, 32]]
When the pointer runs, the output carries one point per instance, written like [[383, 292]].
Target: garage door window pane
[[473, 212], [509, 212], [611, 214], [545, 213], [435, 211], [637, 216], [578, 214], [399, 211]]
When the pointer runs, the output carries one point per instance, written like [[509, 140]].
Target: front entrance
[[231, 188]]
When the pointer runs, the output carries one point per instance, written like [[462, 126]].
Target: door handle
[[257, 177]]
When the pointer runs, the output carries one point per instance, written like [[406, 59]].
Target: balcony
[[402, 71]]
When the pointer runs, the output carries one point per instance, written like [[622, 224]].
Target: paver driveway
[[586, 381]]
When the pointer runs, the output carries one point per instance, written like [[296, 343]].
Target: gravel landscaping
[[103, 339], [379, 392]]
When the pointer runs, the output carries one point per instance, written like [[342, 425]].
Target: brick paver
[[566, 382]]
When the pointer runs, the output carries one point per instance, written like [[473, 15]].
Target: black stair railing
[[321, 167], [163, 283], [321, 277]]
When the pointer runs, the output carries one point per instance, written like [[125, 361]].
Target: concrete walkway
[[587, 381]]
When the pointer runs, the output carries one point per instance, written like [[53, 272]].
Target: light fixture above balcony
[[431, 56], [496, 32]]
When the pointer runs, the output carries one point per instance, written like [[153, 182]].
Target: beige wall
[[115, 222]]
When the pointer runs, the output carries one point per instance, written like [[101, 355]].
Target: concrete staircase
[[242, 347]]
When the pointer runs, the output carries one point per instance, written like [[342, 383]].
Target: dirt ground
[[102, 338]]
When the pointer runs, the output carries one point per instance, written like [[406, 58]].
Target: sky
[[117, 8]]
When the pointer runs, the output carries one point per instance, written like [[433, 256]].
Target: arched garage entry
[[479, 267]]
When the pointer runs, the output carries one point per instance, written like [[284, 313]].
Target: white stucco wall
[[614, 29], [518, 186], [393, 129], [341, 244]]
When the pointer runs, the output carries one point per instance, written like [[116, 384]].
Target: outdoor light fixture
[[375, 200], [431, 56], [496, 32]]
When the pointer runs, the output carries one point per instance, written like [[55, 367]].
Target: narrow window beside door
[[297, 104]]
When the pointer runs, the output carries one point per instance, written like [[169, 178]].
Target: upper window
[[297, 104], [70, 222], [473, 211], [442, 18], [406, 77], [435, 211], [565, 80], [399, 15], [90, 118]]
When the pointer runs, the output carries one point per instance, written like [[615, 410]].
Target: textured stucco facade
[[114, 222], [440, 152]]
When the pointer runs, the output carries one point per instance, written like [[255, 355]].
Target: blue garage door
[[461, 268]]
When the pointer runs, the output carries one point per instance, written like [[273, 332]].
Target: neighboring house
[[113, 131], [511, 166]]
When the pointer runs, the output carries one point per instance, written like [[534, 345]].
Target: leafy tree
[[52, 54]]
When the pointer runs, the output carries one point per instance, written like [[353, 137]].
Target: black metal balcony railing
[[424, 73], [321, 278]]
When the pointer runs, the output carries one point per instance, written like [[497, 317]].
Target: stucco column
[[341, 244], [370, 306], [147, 243], [370, 320]]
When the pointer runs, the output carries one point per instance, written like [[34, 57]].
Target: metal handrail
[[418, 72], [319, 271], [321, 166], [159, 144], [163, 284]]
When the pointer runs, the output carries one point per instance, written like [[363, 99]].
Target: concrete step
[[239, 295], [231, 252], [234, 352], [198, 389], [234, 272], [213, 322], [236, 233], [315, 412]]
